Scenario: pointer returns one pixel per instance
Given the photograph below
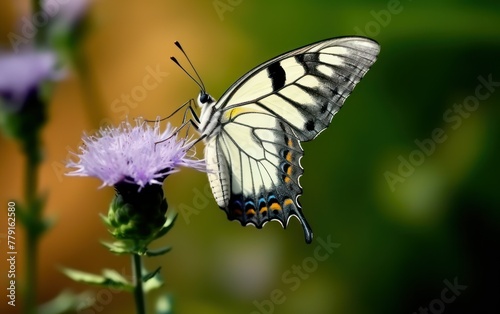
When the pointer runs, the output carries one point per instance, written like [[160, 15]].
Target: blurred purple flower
[[22, 73], [67, 13], [141, 155]]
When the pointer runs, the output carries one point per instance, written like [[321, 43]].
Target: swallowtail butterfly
[[253, 133]]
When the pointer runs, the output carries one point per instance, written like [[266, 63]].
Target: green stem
[[33, 222], [31, 273], [36, 6], [138, 287], [32, 212]]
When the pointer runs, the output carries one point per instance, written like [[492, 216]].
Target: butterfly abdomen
[[217, 173]]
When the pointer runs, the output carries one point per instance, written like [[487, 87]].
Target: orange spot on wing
[[250, 212], [275, 206], [288, 156], [287, 202], [263, 210]]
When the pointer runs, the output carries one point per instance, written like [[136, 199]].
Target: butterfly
[[253, 133]]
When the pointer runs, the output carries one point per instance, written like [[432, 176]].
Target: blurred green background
[[403, 240]]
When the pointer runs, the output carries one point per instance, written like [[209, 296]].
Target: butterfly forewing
[[253, 156]]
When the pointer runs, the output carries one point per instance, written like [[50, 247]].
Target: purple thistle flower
[[69, 13], [141, 155], [22, 74]]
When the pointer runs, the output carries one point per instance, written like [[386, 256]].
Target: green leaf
[[119, 247], [158, 252], [105, 219], [150, 275], [152, 281], [114, 275], [31, 216], [110, 278], [67, 302], [49, 222], [167, 226]]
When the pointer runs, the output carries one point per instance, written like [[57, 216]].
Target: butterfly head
[[204, 99]]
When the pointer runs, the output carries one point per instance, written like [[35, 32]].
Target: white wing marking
[[331, 59], [326, 70], [259, 82], [282, 108], [309, 81], [335, 50], [294, 70]]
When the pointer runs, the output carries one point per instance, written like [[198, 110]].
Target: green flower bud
[[137, 214]]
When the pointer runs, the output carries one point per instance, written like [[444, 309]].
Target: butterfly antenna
[[182, 68], [178, 44]]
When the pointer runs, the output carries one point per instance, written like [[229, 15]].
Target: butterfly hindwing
[[261, 157], [253, 147]]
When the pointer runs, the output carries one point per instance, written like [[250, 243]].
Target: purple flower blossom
[[141, 154], [22, 73], [68, 12]]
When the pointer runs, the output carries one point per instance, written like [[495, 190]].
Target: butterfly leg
[[194, 121], [189, 105]]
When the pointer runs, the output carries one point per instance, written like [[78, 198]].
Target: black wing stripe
[[277, 75]]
